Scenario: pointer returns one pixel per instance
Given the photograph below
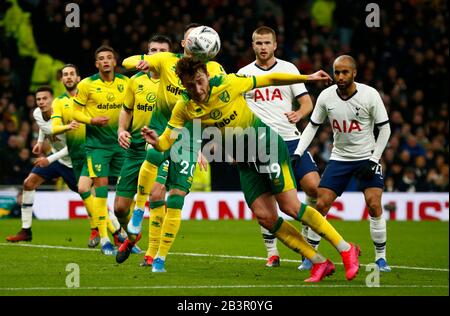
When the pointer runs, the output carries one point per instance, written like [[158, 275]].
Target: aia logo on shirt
[[267, 95], [346, 127]]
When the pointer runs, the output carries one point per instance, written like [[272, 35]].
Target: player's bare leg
[[30, 184], [378, 231]]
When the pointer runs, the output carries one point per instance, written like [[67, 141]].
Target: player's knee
[[267, 221], [158, 192], [290, 207], [83, 189], [311, 191], [323, 206], [374, 206], [28, 184]]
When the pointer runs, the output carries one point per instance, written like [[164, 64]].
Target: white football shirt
[[352, 120], [270, 103], [57, 142]]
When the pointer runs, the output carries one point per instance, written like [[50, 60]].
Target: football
[[203, 42]]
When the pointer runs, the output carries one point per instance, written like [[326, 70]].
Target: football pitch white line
[[209, 255], [243, 286]]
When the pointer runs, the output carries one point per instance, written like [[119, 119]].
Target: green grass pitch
[[219, 258]]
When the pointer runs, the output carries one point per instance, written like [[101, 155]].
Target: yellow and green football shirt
[[102, 98], [141, 99], [225, 106], [63, 115], [170, 87]]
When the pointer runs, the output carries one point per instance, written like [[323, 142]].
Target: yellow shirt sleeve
[[82, 96], [57, 123], [128, 102], [279, 79], [155, 61]]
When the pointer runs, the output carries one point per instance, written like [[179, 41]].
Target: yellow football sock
[[171, 224], [130, 214], [291, 237], [88, 201], [101, 208], [146, 179], [109, 224], [320, 225], [155, 223]]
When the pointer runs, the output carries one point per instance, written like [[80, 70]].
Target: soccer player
[[353, 109], [136, 113], [218, 102], [273, 105], [56, 165], [63, 122], [102, 94], [156, 172]]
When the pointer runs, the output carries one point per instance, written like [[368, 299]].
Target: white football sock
[[270, 241], [379, 235], [27, 208], [114, 219], [312, 237]]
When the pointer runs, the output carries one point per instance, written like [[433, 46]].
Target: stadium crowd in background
[[406, 62]]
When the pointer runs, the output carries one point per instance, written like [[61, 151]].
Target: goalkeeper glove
[[366, 171]]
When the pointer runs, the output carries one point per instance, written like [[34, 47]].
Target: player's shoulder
[[37, 113], [60, 99], [215, 68], [121, 77], [63, 96], [285, 64], [363, 87], [329, 92], [247, 68], [366, 90], [138, 74]]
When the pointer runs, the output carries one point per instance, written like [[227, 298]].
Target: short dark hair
[[159, 38], [188, 66], [105, 48], [77, 71], [191, 26], [44, 89]]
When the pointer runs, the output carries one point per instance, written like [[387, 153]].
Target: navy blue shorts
[[306, 163], [56, 170], [337, 175]]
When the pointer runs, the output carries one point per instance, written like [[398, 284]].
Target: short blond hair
[[264, 30]]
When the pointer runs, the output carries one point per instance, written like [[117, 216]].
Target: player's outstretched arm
[[281, 79], [139, 62]]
